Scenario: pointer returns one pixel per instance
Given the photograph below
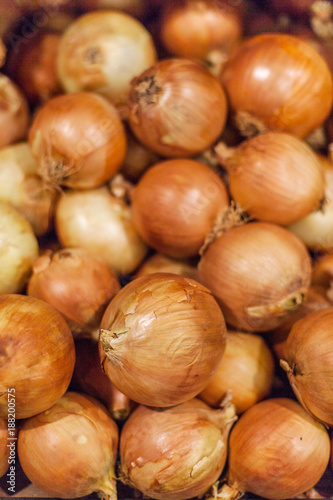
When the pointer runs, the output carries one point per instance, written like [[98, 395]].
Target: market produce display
[[166, 237]]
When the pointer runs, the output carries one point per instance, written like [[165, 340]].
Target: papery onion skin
[[103, 225], [175, 205], [273, 448], [177, 108], [276, 177], [159, 263], [308, 363], [161, 339], [70, 449], [176, 453], [4, 449], [15, 114], [258, 272], [246, 372], [74, 282], [102, 51], [18, 249], [78, 140], [37, 354], [270, 86]]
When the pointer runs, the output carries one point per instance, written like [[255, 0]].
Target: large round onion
[[37, 354], [162, 338], [175, 453]]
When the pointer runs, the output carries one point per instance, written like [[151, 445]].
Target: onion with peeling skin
[[14, 112], [70, 449], [175, 453], [4, 449], [18, 249], [158, 263], [161, 339], [102, 224]]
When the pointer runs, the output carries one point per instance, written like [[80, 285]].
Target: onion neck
[[249, 125], [287, 304], [108, 488], [147, 90], [225, 492]]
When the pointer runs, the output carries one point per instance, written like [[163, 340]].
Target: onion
[[258, 272], [102, 224], [322, 274], [37, 355], [78, 140], [14, 112], [21, 186], [316, 229], [102, 51], [269, 83], [161, 339], [18, 249], [175, 453], [70, 449], [138, 158], [4, 449], [158, 263], [76, 283], [193, 28], [272, 451], [137, 8], [246, 372], [177, 108], [275, 177], [175, 204], [89, 378], [308, 363]]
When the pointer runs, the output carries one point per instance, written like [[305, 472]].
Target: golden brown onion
[[78, 140], [177, 108], [175, 205], [275, 177], [4, 449], [161, 339], [246, 372], [70, 449], [272, 451], [14, 112], [37, 354], [259, 273], [158, 263], [175, 453], [102, 224], [269, 83]]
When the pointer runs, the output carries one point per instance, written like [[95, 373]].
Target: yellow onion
[[18, 249], [308, 363], [138, 158], [175, 453], [21, 186], [78, 140], [102, 51], [14, 112], [175, 205], [102, 224], [159, 263], [76, 283], [322, 274], [276, 451], [37, 354], [269, 82], [89, 378], [70, 449], [4, 449], [259, 273], [161, 339], [275, 177], [246, 372]]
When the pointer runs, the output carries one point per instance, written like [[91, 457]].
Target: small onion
[[275, 177], [308, 363], [276, 451], [89, 378], [78, 140], [158, 263], [177, 108], [102, 51], [175, 205], [21, 186], [246, 372], [18, 249], [175, 453], [76, 283], [14, 112], [70, 449], [102, 224], [269, 83], [259, 273], [4, 449], [37, 354], [161, 339], [193, 28]]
